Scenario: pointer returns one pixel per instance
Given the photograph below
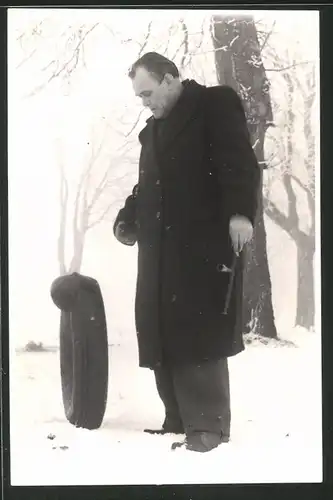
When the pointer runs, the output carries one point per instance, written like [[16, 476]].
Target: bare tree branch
[[75, 52], [279, 218], [308, 96], [26, 59], [278, 70], [50, 64], [310, 198], [109, 29], [224, 49], [99, 190], [83, 186], [74, 57], [267, 37], [292, 205], [178, 50], [202, 33], [75, 221], [165, 52], [100, 218], [146, 40], [135, 123], [186, 42], [105, 212]]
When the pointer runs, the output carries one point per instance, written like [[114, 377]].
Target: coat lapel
[[180, 116], [146, 134], [183, 112]]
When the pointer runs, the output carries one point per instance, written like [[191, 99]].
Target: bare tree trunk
[[305, 242], [63, 220], [305, 283], [239, 65], [80, 228], [258, 308], [76, 262]]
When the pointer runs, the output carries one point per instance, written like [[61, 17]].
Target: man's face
[[154, 95]]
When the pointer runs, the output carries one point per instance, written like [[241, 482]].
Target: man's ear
[[168, 78]]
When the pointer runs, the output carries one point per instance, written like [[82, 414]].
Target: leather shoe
[[168, 427], [204, 441]]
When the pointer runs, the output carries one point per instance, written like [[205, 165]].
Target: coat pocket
[[208, 267], [211, 244]]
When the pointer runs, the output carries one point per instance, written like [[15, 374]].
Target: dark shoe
[[168, 428], [163, 431], [204, 441]]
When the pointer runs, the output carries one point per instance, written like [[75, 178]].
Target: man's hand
[[119, 232], [241, 232], [125, 233]]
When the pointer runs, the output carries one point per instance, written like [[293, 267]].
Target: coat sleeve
[[127, 218], [232, 154]]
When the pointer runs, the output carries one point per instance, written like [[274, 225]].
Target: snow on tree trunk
[[239, 65]]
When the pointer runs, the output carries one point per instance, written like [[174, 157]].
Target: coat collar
[[180, 115]]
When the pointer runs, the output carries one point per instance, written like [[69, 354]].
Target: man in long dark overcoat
[[191, 213]]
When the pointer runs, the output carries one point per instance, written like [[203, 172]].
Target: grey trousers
[[198, 396]]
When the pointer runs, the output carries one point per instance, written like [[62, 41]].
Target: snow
[[275, 435]]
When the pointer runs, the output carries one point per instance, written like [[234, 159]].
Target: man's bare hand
[[241, 232]]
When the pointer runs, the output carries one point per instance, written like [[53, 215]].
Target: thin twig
[[144, 45], [26, 59], [135, 123], [100, 218]]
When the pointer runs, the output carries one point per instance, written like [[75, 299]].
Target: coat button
[[158, 215]]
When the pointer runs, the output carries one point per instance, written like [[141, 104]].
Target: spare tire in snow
[[83, 349]]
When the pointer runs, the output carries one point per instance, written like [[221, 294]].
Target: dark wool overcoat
[[197, 168]]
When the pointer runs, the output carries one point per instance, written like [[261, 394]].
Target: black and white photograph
[[164, 246]]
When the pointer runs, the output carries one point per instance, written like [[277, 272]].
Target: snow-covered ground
[[276, 423]]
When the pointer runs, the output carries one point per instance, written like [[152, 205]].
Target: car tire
[[84, 358]]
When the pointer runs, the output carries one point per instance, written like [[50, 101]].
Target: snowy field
[[275, 436]]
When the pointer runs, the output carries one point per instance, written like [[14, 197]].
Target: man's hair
[[156, 64]]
